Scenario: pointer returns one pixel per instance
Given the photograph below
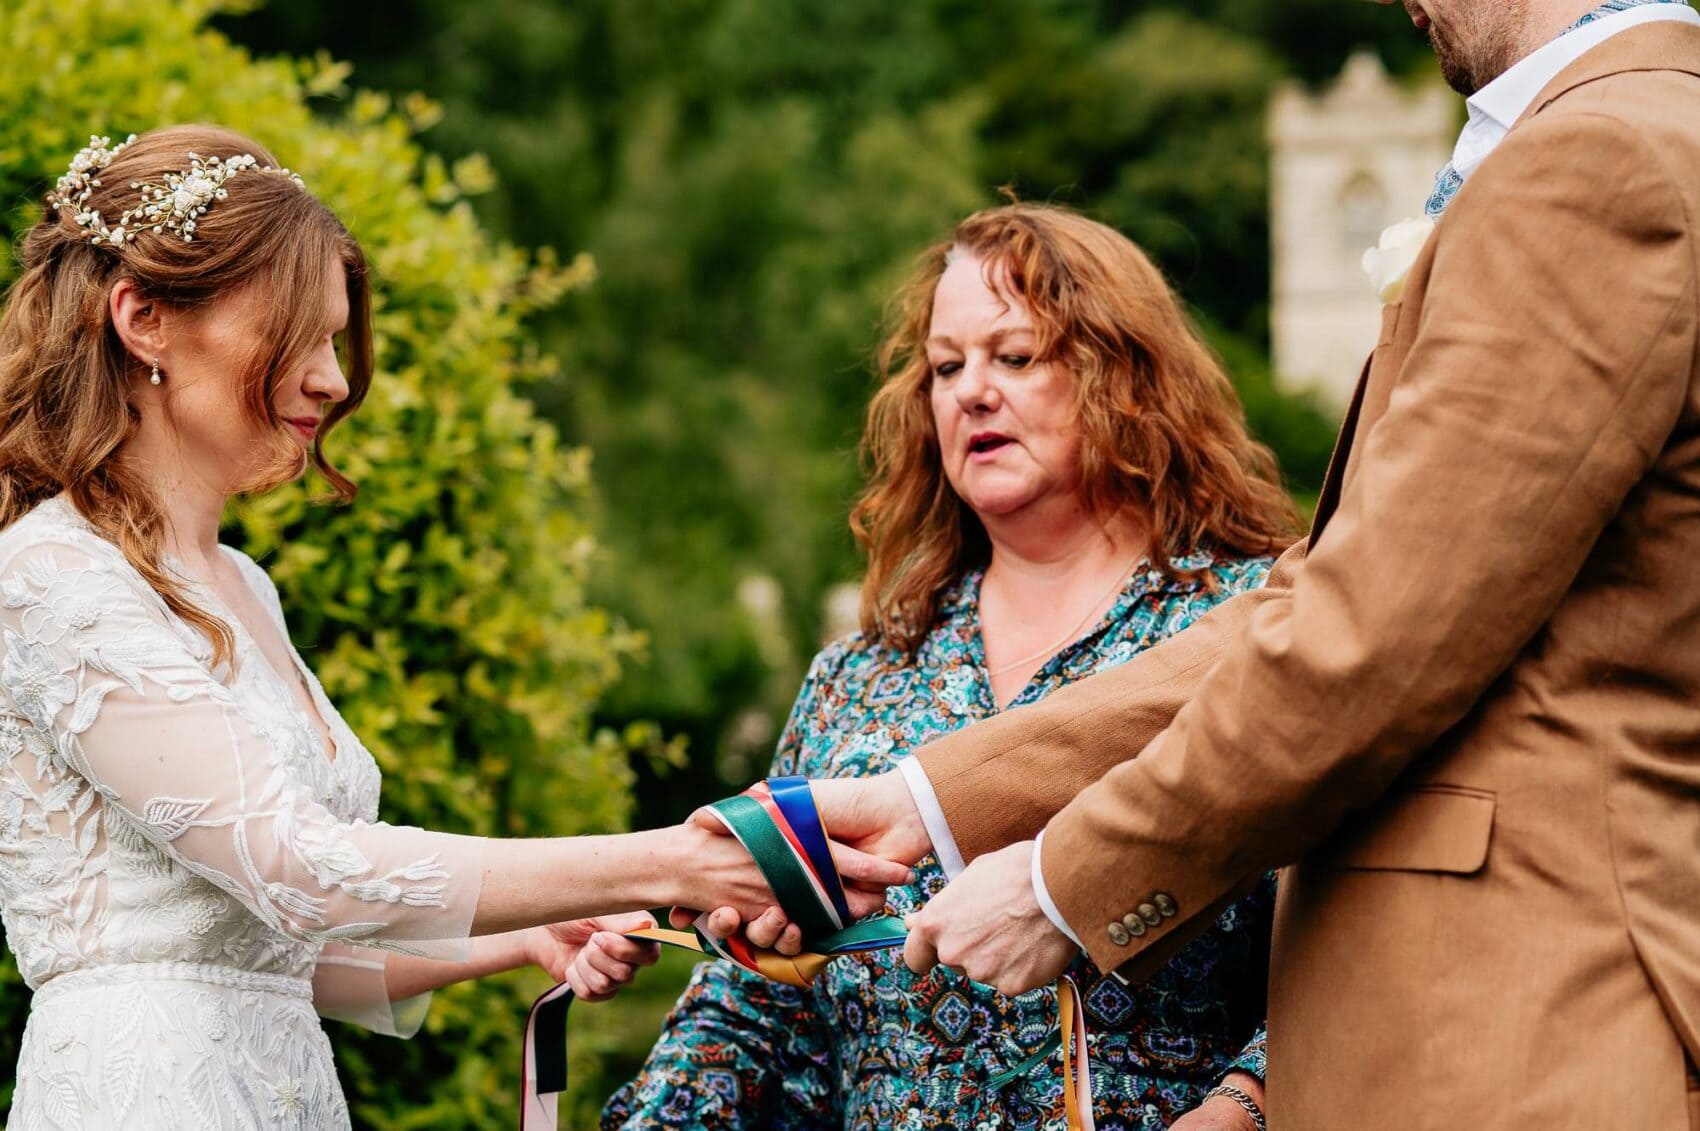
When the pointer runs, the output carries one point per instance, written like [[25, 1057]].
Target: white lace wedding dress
[[187, 878]]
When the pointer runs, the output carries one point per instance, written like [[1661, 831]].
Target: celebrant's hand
[[593, 956], [987, 923], [1220, 1113]]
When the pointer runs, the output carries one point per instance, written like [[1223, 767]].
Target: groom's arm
[[1553, 360], [1000, 780]]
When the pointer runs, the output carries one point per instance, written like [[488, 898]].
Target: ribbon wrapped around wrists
[[777, 822]]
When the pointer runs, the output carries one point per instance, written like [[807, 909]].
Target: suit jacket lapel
[[1329, 499], [1652, 47]]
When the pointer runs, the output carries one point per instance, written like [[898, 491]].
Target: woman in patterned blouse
[[1061, 477]]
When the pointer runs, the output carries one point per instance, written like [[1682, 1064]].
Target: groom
[[1467, 711]]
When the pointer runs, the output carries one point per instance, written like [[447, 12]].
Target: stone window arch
[[1362, 212]]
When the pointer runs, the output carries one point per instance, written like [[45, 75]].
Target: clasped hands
[[595, 958], [987, 923]]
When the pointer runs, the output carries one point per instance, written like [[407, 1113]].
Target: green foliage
[[1311, 37], [446, 611], [753, 177]]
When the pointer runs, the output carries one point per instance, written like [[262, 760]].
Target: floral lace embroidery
[[154, 811]]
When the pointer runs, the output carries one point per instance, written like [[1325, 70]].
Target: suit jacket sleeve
[[999, 781], [1551, 364]]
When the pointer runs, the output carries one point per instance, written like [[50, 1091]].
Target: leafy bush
[[754, 178], [445, 611]]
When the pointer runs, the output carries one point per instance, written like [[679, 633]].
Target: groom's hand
[[876, 815], [987, 923], [865, 879]]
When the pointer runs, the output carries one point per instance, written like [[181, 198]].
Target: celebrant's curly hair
[[1163, 433], [66, 378]]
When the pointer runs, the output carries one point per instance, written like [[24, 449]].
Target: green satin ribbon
[[779, 826]]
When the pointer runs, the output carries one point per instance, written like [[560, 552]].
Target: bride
[[190, 863]]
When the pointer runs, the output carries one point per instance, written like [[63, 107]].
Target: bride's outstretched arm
[[560, 950], [685, 865], [390, 993], [129, 703]]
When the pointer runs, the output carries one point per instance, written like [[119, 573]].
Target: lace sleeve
[[124, 694], [350, 985]]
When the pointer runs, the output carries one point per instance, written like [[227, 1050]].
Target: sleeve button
[[1166, 905], [1119, 935], [1135, 925], [1148, 912]]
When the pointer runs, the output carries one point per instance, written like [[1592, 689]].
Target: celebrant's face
[[202, 387], [1475, 41], [1007, 424]]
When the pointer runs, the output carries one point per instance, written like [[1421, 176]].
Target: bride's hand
[[769, 930], [866, 877], [592, 955]]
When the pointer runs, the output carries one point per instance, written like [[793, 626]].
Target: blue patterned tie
[[1611, 6], [1448, 181]]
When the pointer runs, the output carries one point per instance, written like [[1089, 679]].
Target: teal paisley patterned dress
[[873, 1046]]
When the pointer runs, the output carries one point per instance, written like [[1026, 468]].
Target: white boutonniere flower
[[1389, 262]]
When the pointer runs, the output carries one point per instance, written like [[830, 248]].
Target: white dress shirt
[[1493, 111], [1495, 108]]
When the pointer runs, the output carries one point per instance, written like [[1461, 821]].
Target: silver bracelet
[[1244, 1100]]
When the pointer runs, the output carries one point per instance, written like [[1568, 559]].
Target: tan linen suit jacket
[[1470, 712]]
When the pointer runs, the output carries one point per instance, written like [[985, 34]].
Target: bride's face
[[200, 395]]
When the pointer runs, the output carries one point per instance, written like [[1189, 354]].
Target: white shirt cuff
[[1044, 897], [932, 817]]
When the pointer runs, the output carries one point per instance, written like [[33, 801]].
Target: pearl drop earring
[[154, 378]]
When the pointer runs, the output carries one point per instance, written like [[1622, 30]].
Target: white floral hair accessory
[[174, 206]]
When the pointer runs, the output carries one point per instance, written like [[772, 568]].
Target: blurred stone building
[[1344, 164]]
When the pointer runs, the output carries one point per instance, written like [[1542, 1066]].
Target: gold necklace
[[1072, 633]]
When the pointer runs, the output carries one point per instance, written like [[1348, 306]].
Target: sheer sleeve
[[349, 985], [125, 695]]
